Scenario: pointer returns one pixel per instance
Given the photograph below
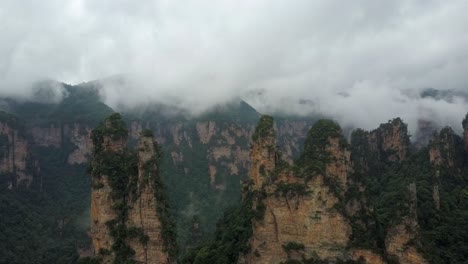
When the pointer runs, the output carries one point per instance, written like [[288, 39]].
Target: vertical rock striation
[[391, 140], [300, 220], [445, 153], [16, 163], [320, 208], [129, 213], [147, 213]]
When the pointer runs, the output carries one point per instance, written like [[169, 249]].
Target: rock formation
[[129, 214], [445, 152], [74, 137], [309, 211], [300, 219], [391, 140], [16, 163]]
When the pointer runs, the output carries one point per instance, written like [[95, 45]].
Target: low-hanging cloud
[[361, 62]]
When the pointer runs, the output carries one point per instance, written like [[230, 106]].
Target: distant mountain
[[446, 95]]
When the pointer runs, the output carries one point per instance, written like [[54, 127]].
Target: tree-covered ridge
[[79, 103]]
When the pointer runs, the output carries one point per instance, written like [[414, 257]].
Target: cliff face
[[144, 207], [401, 238], [389, 144], [300, 219], [225, 143], [310, 211], [129, 213], [207, 158], [391, 140], [102, 200], [446, 149], [15, 158], [76, 135], [445, 153]]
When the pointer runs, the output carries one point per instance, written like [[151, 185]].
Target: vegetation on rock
[[264, 128]]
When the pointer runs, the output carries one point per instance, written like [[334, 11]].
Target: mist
[[359, 62]]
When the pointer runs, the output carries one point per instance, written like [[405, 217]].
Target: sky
[[361, 62]]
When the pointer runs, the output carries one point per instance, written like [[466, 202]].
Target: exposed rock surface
[[47, 136], [15, 157], [301, 205], [391, 140], [445, 152], [226, 143], [129, 200], [401, 238], [80, 136], [56, 136], [143, 213], [299, 208], [102, 201]]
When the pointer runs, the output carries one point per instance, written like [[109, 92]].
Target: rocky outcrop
[[129, 213], [402, 239], [143, 213], [310, 210], [102, 200], [445, 152], [387, 144], [300, 219], [445, 149], [16, 163], [263, 154], [75, 138], [391, 140], [226, 143]]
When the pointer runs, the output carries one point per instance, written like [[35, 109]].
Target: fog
[[361, 62]]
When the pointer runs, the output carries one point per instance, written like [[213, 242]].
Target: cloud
[[353, 60]]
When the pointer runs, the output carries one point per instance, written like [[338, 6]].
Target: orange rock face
[[303, 211], [309, 218], [102, 205], [143, 215]]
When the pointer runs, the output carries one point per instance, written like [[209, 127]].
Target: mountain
[[383, 198], [204, 158], [130, 218], [373, 200]]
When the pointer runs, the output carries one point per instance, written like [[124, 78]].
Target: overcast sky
[[361, 61]]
